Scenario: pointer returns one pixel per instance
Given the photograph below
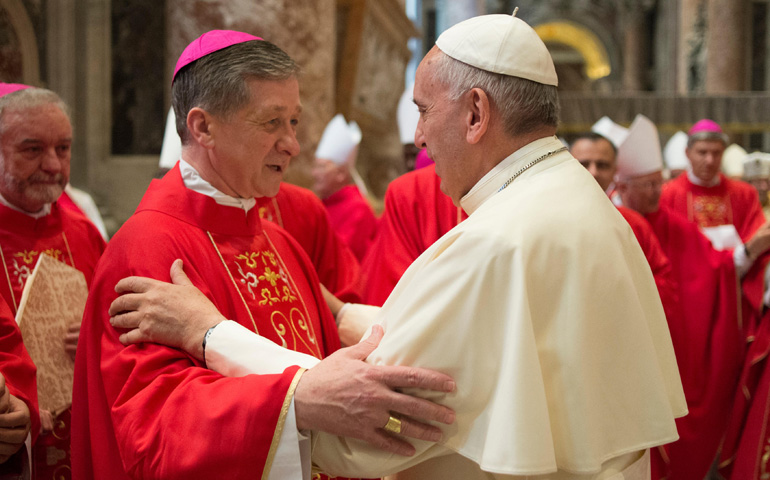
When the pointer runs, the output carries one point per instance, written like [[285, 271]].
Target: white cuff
[[742, 261], [234, 351]]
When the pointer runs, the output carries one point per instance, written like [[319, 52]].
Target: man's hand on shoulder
[[176, 314], [343, 395], [14, 422]]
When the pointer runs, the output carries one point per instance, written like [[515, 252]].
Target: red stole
[[707, 339], [302, 214], [417, 213], [353, 219]]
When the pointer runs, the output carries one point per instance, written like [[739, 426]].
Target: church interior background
[[673, 60]]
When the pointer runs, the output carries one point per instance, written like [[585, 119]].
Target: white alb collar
[[46, 210], [496, 178], [193, 180], [697, 181]]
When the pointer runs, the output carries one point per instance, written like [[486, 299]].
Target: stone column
[[634, 48], [726, 54], [689, 40], [305, 29], [455, 11]]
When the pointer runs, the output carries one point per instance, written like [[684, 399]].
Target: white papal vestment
[[543, 309]]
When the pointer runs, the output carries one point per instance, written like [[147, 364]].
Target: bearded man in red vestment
[[35, 140], [156, 412], [18, 397], [337, 183], [708, 339]]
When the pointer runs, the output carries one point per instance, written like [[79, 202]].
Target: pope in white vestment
[[543, 309]]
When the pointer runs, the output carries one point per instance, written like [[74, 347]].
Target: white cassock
[[543, 309]]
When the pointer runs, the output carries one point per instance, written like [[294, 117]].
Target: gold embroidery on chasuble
[[18, 265], [711, 211], [270, 294]]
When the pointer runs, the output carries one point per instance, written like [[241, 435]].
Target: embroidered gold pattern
[[765, 475], [29, 256]]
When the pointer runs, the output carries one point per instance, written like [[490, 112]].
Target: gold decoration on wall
[[582, 40]]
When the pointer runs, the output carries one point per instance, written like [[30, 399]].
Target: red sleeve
[[152, 409], [753, 217], [17, 367]]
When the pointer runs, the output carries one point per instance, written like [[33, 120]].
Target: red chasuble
[[63, 234], [417, 213], [708, 342], [731, 202], [71, 238], [17, 367], [302, 214], [352, 217], [149, 411]]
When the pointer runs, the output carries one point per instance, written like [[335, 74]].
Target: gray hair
[[28, 98], [217, 82], [705, 135], [524, 105]]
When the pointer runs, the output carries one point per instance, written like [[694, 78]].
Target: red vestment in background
[[152, 411], [417, 213], [708, 342], [301, 213], [353, 219], [70, 237]]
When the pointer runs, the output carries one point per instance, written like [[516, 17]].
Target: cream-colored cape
[[543, 309]]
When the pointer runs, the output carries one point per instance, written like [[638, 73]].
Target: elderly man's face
[[34, 155], [441, 131], [598, 157], [253, 147], [642, 193], [706, 158]]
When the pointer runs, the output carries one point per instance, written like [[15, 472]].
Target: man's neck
[[40, 213], [702, 183], [199, 160]]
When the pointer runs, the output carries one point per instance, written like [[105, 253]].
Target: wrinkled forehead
[[45, 120]]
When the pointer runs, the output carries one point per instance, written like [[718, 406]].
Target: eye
[[62, 149], [295, 121]]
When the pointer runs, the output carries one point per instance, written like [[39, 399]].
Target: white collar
[[496, 178], [697, 181], [36, 215], [193, 180]]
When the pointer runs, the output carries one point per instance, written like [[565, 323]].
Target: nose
[[419, 136], [591, 168], [51, 162], [288, 143]]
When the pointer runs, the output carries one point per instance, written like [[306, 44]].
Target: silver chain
[[530, 165]]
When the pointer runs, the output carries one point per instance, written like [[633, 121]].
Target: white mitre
[[610, 130], [732, 161], [673, 153], [339, 141], [640, 153], [408, 115], [500, 44], [171, 150], [756, 165]]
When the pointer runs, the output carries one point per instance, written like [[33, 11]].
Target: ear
[[621, 187], [479, 113], [199, 126]]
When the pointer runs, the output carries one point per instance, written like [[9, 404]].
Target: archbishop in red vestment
[[731, 202], [417, 213], [301, 213], [150, 411], [707, 340]]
